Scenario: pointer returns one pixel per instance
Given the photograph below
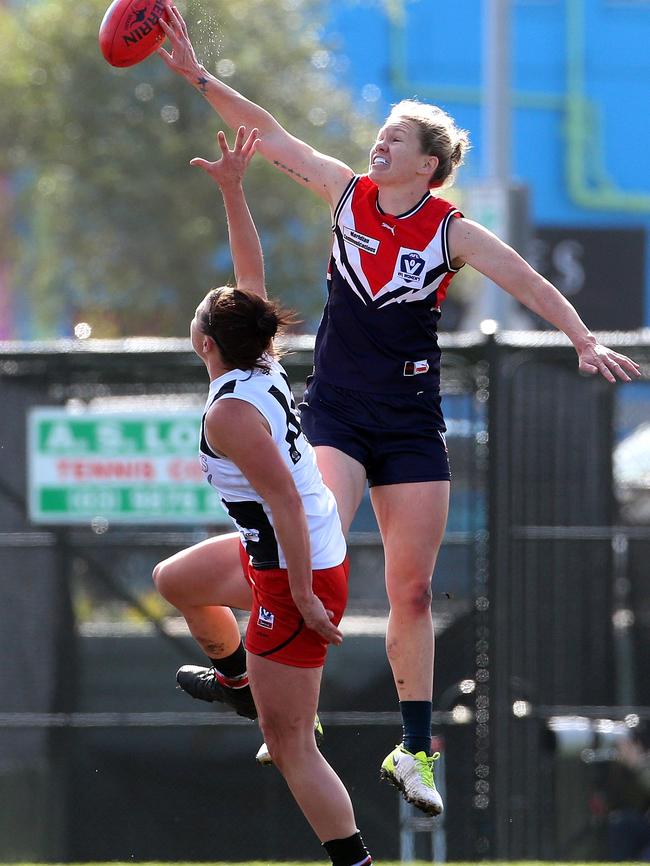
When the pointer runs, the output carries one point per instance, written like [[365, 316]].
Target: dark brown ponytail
[[243, 325]]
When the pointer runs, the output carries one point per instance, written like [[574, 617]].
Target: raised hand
[[182, 58], [231, 168]]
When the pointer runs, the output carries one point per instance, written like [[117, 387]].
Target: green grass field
[[311, 863]]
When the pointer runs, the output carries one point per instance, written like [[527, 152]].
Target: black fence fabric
[[541, 605]]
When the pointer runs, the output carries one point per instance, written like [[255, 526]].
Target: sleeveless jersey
[[271, 395], [388, 276]]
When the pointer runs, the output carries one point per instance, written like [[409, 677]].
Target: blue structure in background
[[580, 76]]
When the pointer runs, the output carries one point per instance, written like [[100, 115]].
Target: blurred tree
[[109, 223]]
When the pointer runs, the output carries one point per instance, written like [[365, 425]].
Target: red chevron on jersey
[[387, 278], [389, 259]]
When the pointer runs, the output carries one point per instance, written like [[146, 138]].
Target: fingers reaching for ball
[[234, 162], [182, 58]]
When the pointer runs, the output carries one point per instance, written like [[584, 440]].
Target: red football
[[130, 30]]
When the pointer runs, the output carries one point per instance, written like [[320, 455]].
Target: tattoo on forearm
[[202, 84], [288, 170]]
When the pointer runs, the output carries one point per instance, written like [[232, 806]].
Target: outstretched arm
[[473, 244], [323, 174], [228, 173]]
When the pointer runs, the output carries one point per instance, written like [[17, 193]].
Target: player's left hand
[[230, 169], [598, 359], [318, 619]]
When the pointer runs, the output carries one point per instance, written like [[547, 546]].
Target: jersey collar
[[416, 207]]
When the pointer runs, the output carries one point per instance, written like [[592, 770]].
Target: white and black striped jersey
[[271, 395]]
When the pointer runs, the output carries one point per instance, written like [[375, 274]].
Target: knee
[[165, 580], [155, 575], [284, 738], [411, 597], [277, 739]]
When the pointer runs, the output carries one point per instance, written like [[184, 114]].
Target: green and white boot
[[413, 775]]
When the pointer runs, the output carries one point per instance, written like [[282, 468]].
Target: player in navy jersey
[[287, 562], [372, 407]]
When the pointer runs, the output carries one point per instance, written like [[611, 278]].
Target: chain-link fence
[[540, 605]]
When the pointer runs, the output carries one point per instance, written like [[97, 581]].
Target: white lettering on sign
[[126, 467], [60, 438]]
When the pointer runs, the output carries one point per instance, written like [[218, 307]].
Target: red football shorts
[[275, 629]]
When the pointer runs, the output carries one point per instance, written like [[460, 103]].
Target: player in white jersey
[[287, 563], [266, 387], [372, 409]]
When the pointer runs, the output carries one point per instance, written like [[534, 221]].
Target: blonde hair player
[[372, 407]]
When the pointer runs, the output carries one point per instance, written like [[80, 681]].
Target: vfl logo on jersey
[[265, 618], [410, 268], [368, 245]]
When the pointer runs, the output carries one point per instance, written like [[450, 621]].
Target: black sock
[[233, 665], [348, 852], [416, 724]]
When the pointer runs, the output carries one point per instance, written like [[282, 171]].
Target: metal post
[[496, 83], [491, 201], [622, 621], [438, 829]]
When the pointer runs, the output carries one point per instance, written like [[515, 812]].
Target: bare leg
[[412, 520], [286, 698], [345, 477], [203, 582]]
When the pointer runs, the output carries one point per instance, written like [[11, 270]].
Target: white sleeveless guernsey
[[271, 395]]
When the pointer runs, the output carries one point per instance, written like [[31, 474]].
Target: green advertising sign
[[127, 467]]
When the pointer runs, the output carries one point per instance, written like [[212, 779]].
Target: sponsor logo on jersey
[[415, 368], [410, 268], [265, 618], [368, 245]]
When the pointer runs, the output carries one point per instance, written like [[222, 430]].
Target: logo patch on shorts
[[415, 368], [265, 618], [252, 535]]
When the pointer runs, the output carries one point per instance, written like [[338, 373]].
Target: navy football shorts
[[398, 438]]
